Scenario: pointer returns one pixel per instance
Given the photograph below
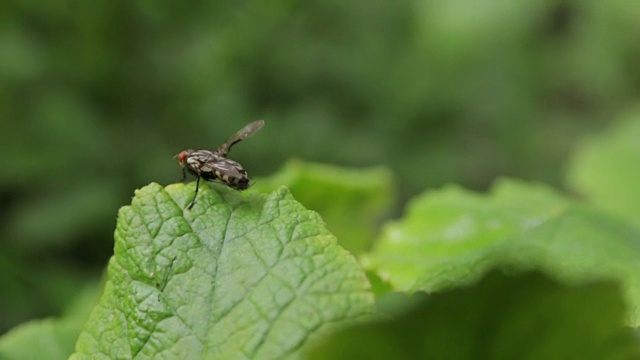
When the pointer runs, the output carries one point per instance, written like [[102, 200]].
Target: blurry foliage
[[606, 169], [360, 198], [452, 236], [533, 318], [98, 96], [51, 338]]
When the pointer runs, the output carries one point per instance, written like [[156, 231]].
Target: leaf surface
[[240, 276]]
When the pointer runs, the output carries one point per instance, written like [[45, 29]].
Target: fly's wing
[[242, 134]]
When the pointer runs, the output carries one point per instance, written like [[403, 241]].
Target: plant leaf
[[453, 236], [529, 317], [51, 338], [236, 277]]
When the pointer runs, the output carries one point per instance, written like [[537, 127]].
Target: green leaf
[[529, 317], [51, 338], [606, 169], [453, 236], [240, 276], [41, 339], [351, 201]]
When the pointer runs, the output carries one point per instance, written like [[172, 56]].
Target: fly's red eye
[[182, 156]]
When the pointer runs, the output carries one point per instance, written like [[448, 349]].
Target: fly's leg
[[184, 174], [194, 195]]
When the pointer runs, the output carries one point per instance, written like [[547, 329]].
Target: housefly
[[214, 165]]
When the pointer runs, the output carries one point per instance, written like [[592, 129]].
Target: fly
[[214, 165]]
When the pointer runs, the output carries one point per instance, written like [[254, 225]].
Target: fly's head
[[183, 155]]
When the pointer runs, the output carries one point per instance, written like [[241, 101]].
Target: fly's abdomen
[[239, 183], [230, 173], [236, 182]]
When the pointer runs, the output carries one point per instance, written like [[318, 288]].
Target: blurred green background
[[97, 97]]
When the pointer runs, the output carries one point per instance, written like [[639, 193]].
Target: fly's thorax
[[201, 157], [204, 156]]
